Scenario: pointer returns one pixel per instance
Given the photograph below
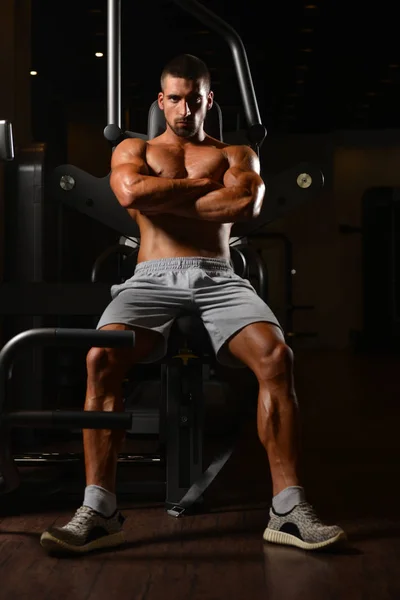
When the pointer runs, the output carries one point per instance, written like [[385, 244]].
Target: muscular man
[[185, 190]]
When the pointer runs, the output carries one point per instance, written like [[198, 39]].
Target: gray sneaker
[[302, 528], [88, 530]]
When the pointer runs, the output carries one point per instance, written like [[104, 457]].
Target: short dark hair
[[186, 66]]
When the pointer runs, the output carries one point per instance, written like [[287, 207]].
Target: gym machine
[[185, 369]]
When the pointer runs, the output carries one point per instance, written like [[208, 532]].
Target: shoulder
[[242, 155], [131, 145], [214, 143], [128, 149]]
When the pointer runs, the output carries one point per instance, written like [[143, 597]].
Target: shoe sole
[[52, 544], [278, 537]]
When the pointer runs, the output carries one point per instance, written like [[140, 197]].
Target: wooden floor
[[351, 458]]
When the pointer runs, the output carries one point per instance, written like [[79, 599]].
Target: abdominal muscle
[[166, 236]]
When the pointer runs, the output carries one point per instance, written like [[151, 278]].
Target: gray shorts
[[161, 290]]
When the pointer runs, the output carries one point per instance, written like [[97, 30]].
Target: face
[[185, 104]]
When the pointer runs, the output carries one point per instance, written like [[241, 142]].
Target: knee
[[101, 364], [275, 363]]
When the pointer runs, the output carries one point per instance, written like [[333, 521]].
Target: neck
[[172, 138]]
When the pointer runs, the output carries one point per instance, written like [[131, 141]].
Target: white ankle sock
[[288, 498], [100, 500]]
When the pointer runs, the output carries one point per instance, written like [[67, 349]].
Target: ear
[[160, 100], [210, 99]]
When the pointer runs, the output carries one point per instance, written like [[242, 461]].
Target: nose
[[184, 109]]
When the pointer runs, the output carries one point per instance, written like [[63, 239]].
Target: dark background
[[317, 67]]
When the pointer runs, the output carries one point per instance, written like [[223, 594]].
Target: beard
[[184, 131]]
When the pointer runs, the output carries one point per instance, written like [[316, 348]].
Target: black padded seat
[[188, 331]]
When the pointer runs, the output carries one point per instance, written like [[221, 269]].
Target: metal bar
[[194, 374], [114, 63], [174, 491], [236, 46], [243, 264], [68, 419], [117, 249], [54, 336], [262, 274], [56, 458], [288, 252], [6, 141]]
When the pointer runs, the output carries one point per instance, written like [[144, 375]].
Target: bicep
[[127, 163], [244, 168]]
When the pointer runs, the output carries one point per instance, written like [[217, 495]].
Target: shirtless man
[[185, 190]]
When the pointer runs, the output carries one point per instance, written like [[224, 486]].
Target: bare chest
[[190, 162]]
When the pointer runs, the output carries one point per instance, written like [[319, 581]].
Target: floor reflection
[[294, 574]]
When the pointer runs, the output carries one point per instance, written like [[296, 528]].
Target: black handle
[[95, 337], [68, 419]]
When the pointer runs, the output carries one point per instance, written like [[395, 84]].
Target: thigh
[[228, 305], [255, 341]]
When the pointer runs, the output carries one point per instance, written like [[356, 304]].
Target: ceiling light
[[33, 73], [99, 54]]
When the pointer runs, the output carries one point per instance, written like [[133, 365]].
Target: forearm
[[155, 195], [226, 205], [240, 198]]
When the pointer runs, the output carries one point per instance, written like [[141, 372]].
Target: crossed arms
[[238, 199]]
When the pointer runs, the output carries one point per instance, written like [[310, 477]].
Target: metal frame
[[284, 194], [256, 131]]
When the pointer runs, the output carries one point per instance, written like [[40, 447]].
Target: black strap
[[199, 486]]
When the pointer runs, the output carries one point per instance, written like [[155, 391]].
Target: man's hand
[[193, 190]]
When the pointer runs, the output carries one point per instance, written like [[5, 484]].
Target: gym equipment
[[6, 141], [9, 477], [185, 369]]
